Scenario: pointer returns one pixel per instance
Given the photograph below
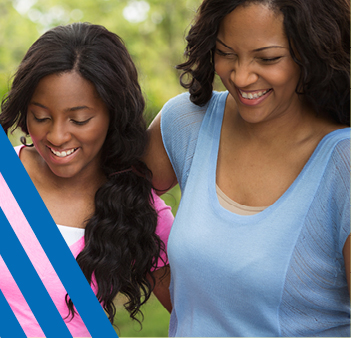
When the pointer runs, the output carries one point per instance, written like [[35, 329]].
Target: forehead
[[66, 88], [252, 25]]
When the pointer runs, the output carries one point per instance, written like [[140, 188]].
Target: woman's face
[[253, 61], [68, 123]]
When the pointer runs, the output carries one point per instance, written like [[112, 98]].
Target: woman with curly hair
[[76, 94], [260, 245]]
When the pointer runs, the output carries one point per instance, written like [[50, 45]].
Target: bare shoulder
[[31, 160], [157, 160], [29, 155], [327, 125], [318, 127]]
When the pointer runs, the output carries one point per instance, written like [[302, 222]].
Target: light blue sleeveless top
[[277, 273]]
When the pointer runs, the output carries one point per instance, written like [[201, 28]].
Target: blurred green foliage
[[153, 31], [155, 323]]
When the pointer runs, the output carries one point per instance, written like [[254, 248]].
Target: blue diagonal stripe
[[52, 242], [10, 327], [35, 293]]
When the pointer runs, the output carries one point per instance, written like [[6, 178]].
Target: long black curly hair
[[121, 246], [318, 32]]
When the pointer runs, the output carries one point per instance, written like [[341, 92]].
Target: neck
[[293, 125], [86, 181]]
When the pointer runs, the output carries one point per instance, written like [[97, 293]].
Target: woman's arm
[[157, 160], [347, 261], [161, 290]]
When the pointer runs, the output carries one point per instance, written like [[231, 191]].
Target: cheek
[[289, 74], [29, 126], [96, 136], [34, 132], [221, 68], [283, 78]]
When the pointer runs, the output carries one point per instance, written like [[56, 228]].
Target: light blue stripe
[[9, 326], [52, 242], [34, 292]]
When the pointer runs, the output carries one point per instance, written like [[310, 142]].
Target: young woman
[[261, 242], [76, 94]]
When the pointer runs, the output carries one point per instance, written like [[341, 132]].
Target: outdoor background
[[154, 32]]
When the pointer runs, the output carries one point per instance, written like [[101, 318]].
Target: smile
[[253, 95], [63, 153]]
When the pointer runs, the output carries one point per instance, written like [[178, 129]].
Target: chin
[[64, 173], [254, 118]]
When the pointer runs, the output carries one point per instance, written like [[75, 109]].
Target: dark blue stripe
[[34, 292], [9, 326], [53, 243]]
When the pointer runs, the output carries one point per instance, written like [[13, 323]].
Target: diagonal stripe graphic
[[52, 242], [19, 265], [12, 327]]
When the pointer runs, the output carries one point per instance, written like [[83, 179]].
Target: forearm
[[161, 290]]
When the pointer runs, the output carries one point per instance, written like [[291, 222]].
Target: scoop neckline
[[220, 105]]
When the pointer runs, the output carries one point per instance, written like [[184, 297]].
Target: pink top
[[43, 266]]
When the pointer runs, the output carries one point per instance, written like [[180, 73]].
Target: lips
[[252, 98]]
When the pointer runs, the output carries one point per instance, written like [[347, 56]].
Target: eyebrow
[[255, 50], [38, 104], [77, 108], [72, 109], [221, 42]]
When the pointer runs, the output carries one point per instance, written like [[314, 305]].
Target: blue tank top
[[277, 273]]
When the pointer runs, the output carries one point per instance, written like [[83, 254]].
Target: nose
[[58, 134], [243, 75]]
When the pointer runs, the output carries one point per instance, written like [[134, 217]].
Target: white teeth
[[63, 153], [251, 96]]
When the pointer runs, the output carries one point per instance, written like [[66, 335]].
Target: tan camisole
[[234, 207]]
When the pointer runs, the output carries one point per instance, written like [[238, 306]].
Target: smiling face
[[68, 123], [252, 59]]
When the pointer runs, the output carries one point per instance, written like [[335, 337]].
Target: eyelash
[[78, 123], [40, 120], [271, 59], [267, 60], [219, 52]]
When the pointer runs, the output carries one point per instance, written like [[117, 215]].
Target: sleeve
[[164, 225], [341, 163], [18, 149], [180, 124]]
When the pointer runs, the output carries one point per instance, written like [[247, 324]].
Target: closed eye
[[270, 59], [221, 53], [40, 120], [81, 123]]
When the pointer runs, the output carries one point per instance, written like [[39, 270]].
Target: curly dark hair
[[121, 246], [318, 32]]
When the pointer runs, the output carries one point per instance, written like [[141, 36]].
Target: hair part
[[318, 32], [121, 246]]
